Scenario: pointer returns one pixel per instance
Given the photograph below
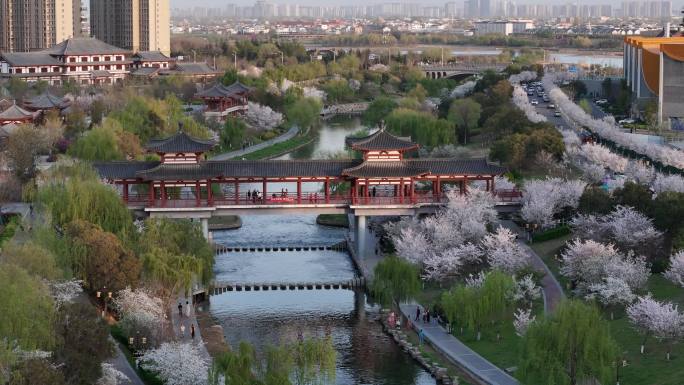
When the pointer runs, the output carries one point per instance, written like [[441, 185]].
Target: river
[[365, 355]]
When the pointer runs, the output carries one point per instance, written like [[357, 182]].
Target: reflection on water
[[365, 354], [329, 139], [603, 60]]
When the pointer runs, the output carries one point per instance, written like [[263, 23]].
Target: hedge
[[550, 234]]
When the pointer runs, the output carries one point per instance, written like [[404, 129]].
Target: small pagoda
[[180, 148], [16, 115], [47, 102], [223, 101]]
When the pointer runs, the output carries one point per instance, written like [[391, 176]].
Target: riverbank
[[280, 148], [229, 222]]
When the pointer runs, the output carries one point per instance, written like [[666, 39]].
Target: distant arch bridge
[[459, 69]]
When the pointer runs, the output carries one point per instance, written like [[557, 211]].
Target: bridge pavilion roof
[[47, 101], [353, 168], [381, 140], [218, 90], [180, 143]]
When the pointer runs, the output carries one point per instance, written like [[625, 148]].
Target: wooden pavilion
[[222, 101]]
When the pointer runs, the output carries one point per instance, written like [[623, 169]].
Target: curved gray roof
[[84, 46], [180, 143], [218, 90], [46, 101], [381, 140]]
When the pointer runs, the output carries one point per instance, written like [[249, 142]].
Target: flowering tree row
[[542, 199], [456, 239], [607, 128], [520, 98]]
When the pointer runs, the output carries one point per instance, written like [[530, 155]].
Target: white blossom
[[526, 290], [139, 309], [639, 173], [475, 281], [111, 375], [503, 183], [546, 197], [675, 272], [65, 291], [503, 251], [412, 245], [626, 227], [262, 117], [522, 320], [463, 89], [177, 363], [661, 319], [663, 183], [612, 291]]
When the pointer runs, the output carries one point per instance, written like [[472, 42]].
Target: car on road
[[627, 121], [534, 102], [530, 93], [545, 99], [551, 105], [601, 101], [557, 114]]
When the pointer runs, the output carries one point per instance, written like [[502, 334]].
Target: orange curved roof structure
[[651, 48]]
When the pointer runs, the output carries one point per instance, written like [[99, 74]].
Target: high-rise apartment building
[[30, 25], [137, 25]]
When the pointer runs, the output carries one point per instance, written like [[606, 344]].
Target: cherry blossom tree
[[584, 262], [612, 292], [544, 198], [140, 310], [503, 251], [660, 319], [177, 363], [675, 272], [262, 117], [439, 266], [112, 376], [412, 245], [663, 183], [526, 290], [65, 291], [475, 281], [463, 89], [640, 173], [624, 226], [522, 318]]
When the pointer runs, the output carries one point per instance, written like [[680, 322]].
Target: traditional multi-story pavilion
[[16, 115], [223, 101]]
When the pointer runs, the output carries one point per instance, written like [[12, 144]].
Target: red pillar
[[151, 193], [465, 185], [163, 193], [125, 192], [439, 189], [265, 193], [299, 190], [210, 200], [366, 192], [412, 190], [326, 186], [401, 190]]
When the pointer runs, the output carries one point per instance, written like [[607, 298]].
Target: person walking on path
[[180, 309], [417, 312], [187, 309], [192, 331], [421, 336], [182, 330]]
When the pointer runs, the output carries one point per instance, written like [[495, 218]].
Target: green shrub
[[550, 234]]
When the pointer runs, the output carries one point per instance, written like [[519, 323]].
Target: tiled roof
[[122, 169], [20, 59], [381, 140], [294, 168], [15, 112], [399, 169], [84, 46], [46, 101], [180, 143], [218, 90], [150, 56], [145, 71], [248, 169]]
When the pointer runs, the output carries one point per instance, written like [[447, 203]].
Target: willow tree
[[572, 346], [395, 280], [305, 362]]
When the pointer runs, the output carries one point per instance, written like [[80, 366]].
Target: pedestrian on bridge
[[421, 336], [417, 312], [182, 330], [192, 331], [180, 309]]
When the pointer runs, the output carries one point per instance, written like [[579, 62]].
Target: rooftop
[[150, 56], [15, 112], [218, 90], [46, 101], [180, 143], [84, 46], [381, 140]]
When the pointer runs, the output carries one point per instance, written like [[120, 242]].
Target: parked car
[[534, 102], [557, 114], [551, 105], [602, 101], [627, 121], [545, 99]]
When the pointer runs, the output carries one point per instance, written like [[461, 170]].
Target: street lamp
[[138, 344], [104, 295]]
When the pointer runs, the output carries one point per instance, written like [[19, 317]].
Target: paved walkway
[[120, 362], [188, 318], [291, 133], [551, 288], [457, 352]]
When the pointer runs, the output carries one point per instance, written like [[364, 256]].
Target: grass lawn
[[651, 368], [335, 220], [279, 148]]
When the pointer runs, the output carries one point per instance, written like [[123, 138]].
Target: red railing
[[188, 200]]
